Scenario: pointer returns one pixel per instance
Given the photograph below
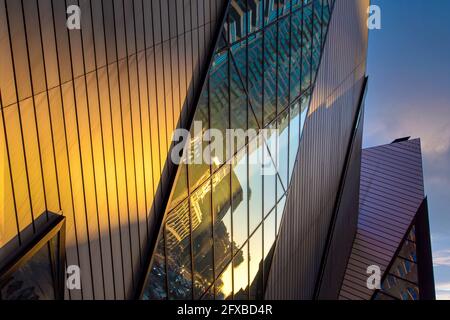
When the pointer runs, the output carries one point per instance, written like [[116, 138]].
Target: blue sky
[[409, 95]]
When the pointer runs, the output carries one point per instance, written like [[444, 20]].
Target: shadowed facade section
[[393, 230]]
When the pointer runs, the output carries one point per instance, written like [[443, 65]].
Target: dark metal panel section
[[321, 157], [424, 256], [344, 222]]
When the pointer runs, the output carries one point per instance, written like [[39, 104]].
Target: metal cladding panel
[[345, 225], [320, 161], [86, 123], [391, 193]]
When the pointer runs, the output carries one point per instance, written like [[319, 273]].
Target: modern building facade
[[88, 177], [86, 122], [393, 231]]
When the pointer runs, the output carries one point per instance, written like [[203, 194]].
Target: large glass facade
[[223, 218]]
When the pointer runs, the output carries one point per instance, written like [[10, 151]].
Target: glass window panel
[[219, 103], [238, 106], [255, 264], [400, 289], [270, 73], [296, 4], [325, 19], [239, 189], [269, 175], [222, 218], [271, 138], [222, 41], [404, 269], [280, 189], [256, 14], [199, 170], [224, 284], [317, 37], [270, 11], [32, 281], [296, 54], [240, 274], [294, 136], [255, 75], [283, 62], [382, 296], [305, 100], [255, 183], [306, 47], [408, 251], [237, 20], [280, 212], [209, 295], [177, 233], [269, 241], [239, 53], [412, 234], [284, 7], [155, 288], [202, 239], [180, 190], [283, 146]]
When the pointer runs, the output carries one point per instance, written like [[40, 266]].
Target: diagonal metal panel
[[321, 156]]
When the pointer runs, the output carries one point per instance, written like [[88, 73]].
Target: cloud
[[443, 291], [442, 295], [417, 117], [443, 286], [442, 259]]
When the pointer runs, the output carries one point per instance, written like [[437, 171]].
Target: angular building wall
[[344, 220], [393, 232], [86, 123], [321, 158]]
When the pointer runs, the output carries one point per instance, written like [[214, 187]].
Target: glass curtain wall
[[222, 220]]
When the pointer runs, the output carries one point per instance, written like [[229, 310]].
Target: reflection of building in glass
[[262, 71]]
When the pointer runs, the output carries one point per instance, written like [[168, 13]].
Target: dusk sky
[[409, 95]]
